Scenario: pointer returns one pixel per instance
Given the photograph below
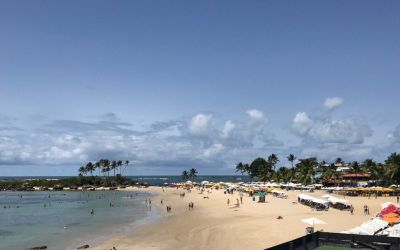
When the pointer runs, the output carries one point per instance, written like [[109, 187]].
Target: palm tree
[[119, 165], [113, 166], [282, 174], [355, 167], [185, 175], [261, 168], [82, 171], [240, 167], [306, 169], [393, 167], [126, 165], [193, 173], [339, 161], [291, 158], [98, 166], [273, 160], [90, 168]]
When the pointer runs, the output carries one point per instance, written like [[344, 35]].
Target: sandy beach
[[212, 224]]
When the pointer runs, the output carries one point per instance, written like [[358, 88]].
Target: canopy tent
[[389, 209], [392, 218], [369, 228]]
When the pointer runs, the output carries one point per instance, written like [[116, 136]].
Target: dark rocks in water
[[83, 247], [39, 247]]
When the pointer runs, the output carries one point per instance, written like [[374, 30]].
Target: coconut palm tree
[[339, 161], [82, 171], [185, 175], [291, 158], [126, 165], [273, 160], [98, 166], [306, 170], [240, 167], [113, 166], [193, 173], [90, 168], [393, 168], [119, 165]]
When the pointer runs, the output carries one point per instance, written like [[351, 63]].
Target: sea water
[[63, 219]]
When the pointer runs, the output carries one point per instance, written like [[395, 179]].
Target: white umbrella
[[313, 221]]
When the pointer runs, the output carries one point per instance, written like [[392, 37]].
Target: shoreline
[[212, 224]]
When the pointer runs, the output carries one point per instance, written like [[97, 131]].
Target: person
[[241, 199], [190, 206], [237, 203], [351, 209], [92, 211], [161, 201], [398, 198], [228, 201], [365, 209]]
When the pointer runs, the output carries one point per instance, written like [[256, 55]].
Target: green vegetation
[[304, 170], [191, 174], [72, 182]]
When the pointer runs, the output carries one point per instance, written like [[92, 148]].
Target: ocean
[[63, 220], [156, 180]]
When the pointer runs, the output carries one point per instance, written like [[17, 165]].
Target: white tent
[[313, 221]]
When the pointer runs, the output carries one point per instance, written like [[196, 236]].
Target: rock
[[83, 247], [39, 247]]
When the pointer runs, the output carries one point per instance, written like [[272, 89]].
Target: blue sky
[[172, 85]]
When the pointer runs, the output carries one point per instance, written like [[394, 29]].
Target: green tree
[[113, 166], [82, 171], [339, 161], [306, 170], [282, 174], [393, 168], [355, 167], [119, 165], [261, 168], [90, 168], [193, 173], [185, 175], [240, 167], [273, 160], [291, 158]]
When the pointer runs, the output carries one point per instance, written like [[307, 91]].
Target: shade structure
[[392, 218], [313, 221]]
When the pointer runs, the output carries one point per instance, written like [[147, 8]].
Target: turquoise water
[[63, 220]]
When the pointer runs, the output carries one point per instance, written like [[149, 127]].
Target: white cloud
[[340, 131], [227, 130], [332, 102], [257, 121], [199, 124], [213, 150], [302, 122]]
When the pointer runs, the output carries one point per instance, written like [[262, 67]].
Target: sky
[[171, 85]]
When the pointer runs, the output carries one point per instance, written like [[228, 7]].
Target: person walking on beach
[[365, 209], [351, 209], [241, 199], [237, 203], [398, 198], [228, 201]]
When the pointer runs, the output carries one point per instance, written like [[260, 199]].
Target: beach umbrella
[[313, 221]]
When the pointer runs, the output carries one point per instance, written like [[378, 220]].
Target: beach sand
[[212, 224]]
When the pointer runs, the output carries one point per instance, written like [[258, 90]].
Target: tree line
[[304, 171], [104, 166]]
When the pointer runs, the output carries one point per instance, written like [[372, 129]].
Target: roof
[[352, 175]]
